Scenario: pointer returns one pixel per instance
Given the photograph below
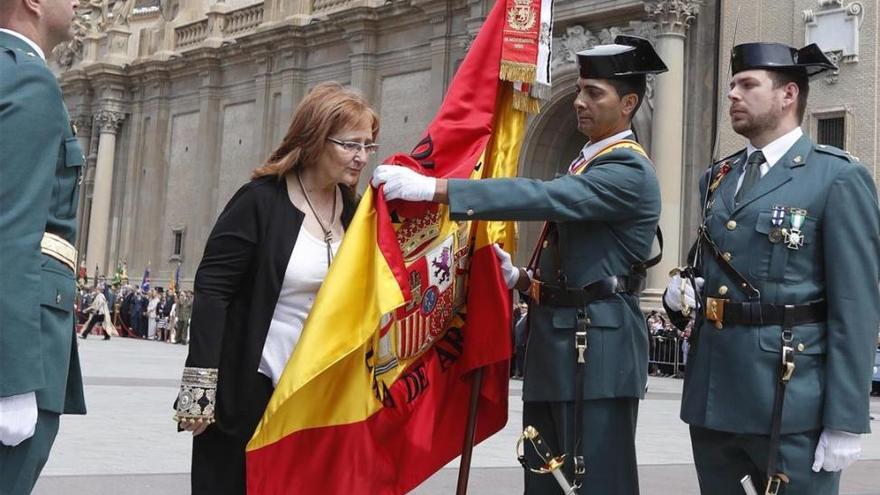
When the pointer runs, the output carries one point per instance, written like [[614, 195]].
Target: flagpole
[[464, 468]]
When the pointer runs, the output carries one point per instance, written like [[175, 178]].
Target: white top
[[27, 40], [151, 307], [590, 149], [773, 152], [305, 272]]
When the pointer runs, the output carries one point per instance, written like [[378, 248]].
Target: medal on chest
[[794, 237], [776, 221]]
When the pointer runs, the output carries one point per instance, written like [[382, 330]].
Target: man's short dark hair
[[635, 84], [781, 78]]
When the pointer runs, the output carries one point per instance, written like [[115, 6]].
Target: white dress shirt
[[773, 152], [27, 40], [588, 152]]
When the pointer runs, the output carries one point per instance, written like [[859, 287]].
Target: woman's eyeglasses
[[355, 147]]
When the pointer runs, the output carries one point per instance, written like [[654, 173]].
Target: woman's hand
[[197, 427]]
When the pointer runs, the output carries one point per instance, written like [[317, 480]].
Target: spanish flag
[[375, 397]]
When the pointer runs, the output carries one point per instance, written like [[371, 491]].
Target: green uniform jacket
[[606, 219], [731, 372], [40, 162]]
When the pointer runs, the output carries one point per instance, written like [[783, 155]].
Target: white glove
[[837, 450], [403, 183], [673, 295], [18, 418], [508, 271]]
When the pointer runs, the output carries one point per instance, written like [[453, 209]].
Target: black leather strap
[[577, 457], [784, 372], [643, 266], [561, 297], [749, 313], [741, 281]]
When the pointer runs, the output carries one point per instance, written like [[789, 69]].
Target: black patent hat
[[628, 56], [809, 60]]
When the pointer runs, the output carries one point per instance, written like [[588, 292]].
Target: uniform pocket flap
[[564, 318], [73, 153], [606, 314], [764, 222], [57, 289], [806, 339]]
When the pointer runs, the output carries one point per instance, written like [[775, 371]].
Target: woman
[[164, 318], [99, 312], [263, 265], [151, 314]]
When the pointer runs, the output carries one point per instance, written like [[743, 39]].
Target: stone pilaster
[[208, 154], [361, 36], [108, 124], [440, 56], [667, 134]]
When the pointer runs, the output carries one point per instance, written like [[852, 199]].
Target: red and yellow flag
[[375, 397]]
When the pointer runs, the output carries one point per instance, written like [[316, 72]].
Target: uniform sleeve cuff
[[197, 398]]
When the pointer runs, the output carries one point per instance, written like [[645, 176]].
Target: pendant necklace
[[328, 235]]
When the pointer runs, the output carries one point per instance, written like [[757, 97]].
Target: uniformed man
[[787, 270], [587, 356], [40, 161]]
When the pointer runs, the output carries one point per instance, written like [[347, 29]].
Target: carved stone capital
[[109, 121], [577, 38], [673, 16]]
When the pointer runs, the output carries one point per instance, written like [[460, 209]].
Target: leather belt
[[56, 247], [725, 312], [562, 297]]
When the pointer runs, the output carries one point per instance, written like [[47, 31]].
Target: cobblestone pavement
[[128, 443]]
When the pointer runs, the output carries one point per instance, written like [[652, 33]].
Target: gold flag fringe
[[518, 72], [525, 103]]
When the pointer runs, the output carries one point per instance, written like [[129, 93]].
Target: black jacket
[[236, 289]]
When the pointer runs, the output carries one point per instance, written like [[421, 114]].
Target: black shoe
[[83, 336], [106, 337]]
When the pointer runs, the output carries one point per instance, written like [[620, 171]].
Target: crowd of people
[[131, 311], [667, 346]]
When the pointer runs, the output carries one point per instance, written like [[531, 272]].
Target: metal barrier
[[665, 356]]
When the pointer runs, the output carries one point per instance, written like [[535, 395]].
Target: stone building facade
[[178, 100]]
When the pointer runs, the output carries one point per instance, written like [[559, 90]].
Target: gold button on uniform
[[731, 225], [727, 256], [801, 347], [470, 212], [722, 290]]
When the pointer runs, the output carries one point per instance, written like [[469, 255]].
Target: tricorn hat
[[628, 56], [809, 60]]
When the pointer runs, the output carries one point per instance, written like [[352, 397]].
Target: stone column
[[667, 129], [108, 123]]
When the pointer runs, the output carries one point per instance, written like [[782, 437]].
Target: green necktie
[[753, 175]]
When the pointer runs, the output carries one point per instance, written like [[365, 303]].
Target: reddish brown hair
[[327, 109]]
